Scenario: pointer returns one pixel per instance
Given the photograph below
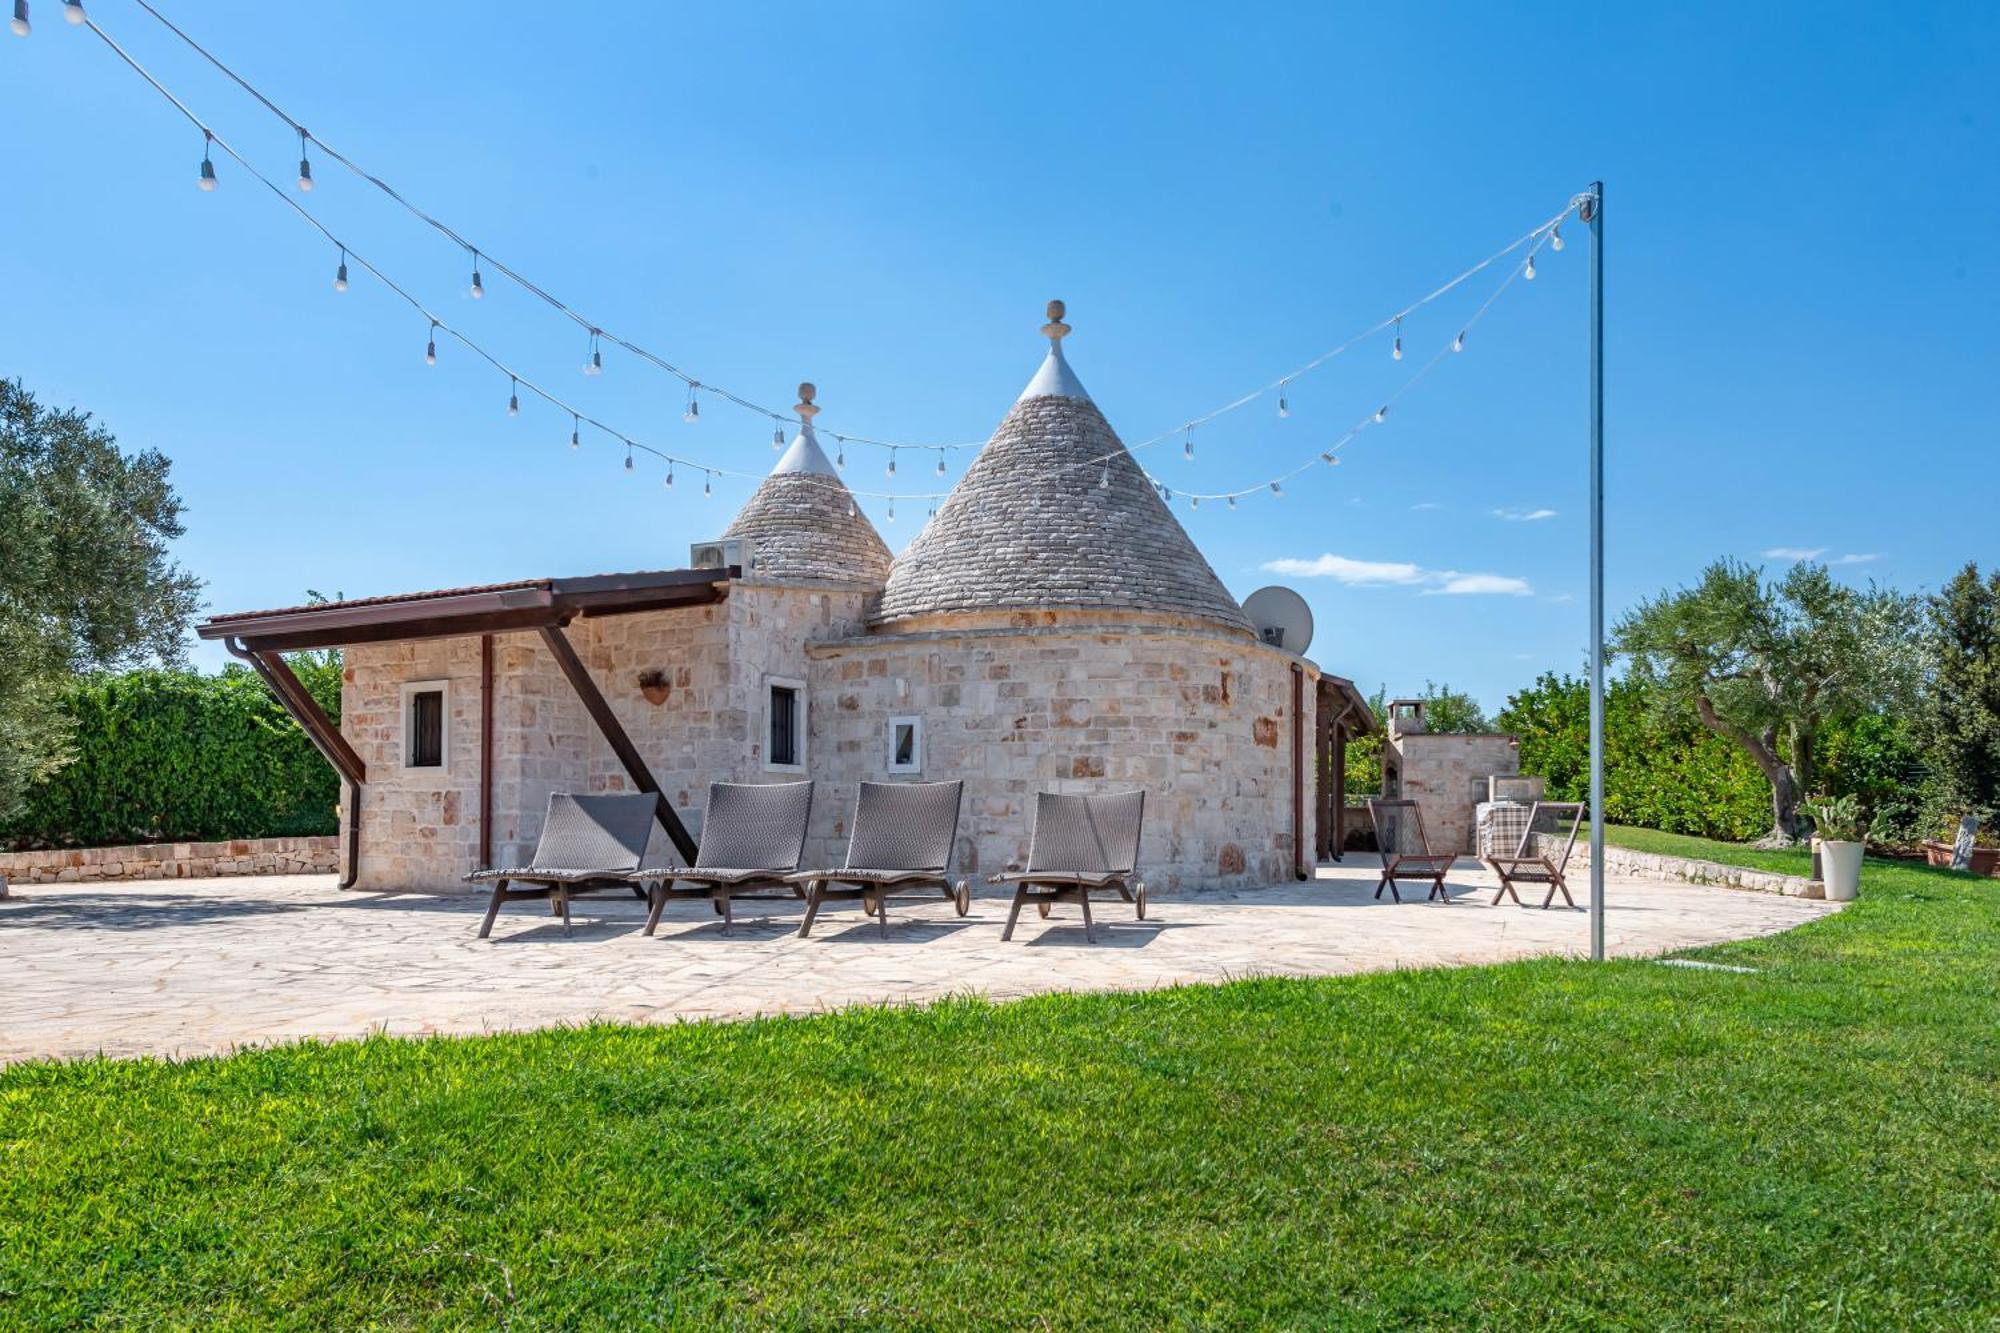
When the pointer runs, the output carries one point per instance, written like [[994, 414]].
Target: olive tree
[[1766, 663]]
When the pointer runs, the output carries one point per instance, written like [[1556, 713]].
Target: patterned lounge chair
[[902, 840], [1079, 843], [588, 843], [1406, 852], [1543, 854], [752, 836]]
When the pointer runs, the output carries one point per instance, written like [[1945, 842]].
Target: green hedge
[[164, 756]]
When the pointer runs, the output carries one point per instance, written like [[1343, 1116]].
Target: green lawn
[[1789, 860], [1815, 1144]]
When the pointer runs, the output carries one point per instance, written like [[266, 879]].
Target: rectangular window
[[426, 724], [785, 724], [906, 745]]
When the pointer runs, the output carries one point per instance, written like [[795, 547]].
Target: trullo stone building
[[1052, 628]]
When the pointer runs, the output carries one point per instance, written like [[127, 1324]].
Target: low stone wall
[[1628, 864], [174, 860]]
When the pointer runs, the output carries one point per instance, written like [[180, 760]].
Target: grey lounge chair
[[752, 836], [1544, 852], [588, 843], [902, 840], [1406, 851], [1079, 843]]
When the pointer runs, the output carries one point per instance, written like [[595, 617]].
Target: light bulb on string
[[1276, 489], [1104, 478], [478, 287], [708, 483], [1529, 271], [594, 366], [1330, 458], [1194, 502], [693, 413], [19, 25], [1232, 502], [777, 437], [940, 462], [1556, 237], [1187, 445], [892, 463], [1396, 349], [1382, 412], [892, 511], [850, 508], [207, 180], [340, 274], [1458, 343], [1284, 407], [628, 458], [839, 452], [305, 166], [513, 397], [431, 347], [73, 13], [575, 431], [669, 483]]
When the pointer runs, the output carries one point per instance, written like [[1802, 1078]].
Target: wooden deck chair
[[1406, 852], [1544, 851], [752, 836], [901, 841], [588, 843], [1079, 843]]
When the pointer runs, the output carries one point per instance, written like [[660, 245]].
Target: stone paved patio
[[200, 966]]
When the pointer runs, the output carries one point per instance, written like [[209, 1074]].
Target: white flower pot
[[1840, 869]]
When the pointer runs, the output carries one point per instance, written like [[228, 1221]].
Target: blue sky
[[1803, 205]]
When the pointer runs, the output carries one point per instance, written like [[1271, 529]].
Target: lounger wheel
[[1139, 898], [962, 898]]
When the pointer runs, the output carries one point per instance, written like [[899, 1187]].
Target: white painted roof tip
[[1055, 379], [805, 456]]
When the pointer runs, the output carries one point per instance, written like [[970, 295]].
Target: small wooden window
[[426, 724]]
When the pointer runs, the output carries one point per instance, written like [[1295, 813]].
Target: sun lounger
[[1079, 844], [588, 843], [752, 837], [901, 842]]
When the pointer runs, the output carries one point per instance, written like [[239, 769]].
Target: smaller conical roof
[[803, 518]]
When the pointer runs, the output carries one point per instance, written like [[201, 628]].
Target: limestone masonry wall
[[1445, 775], [173, 860]]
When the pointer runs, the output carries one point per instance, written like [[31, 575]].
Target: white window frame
[[916, 726], [412, 688], [801, 733]]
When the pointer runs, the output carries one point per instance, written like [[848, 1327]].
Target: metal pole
[[1592, 209]]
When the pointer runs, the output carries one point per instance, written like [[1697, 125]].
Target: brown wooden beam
[[305, 710], [614, 732]]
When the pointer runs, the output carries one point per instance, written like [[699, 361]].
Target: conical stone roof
[[804, 520], [1054, 514]]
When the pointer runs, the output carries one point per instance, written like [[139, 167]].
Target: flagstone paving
[[199, 967]]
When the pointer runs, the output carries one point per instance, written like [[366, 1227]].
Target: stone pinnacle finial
[[1055, 329], [806, 407]]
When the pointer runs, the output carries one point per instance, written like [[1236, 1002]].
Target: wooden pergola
[[1342, 713], [542, 606]]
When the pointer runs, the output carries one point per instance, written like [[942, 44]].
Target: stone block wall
[[173, 860], [1446, 776], [1201, 721]]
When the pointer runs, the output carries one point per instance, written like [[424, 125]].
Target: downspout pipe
[[352, 804]]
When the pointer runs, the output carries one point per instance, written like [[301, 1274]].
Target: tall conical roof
[[1054, 514], [803, 519]]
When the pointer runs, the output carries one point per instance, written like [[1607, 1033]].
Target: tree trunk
[[1788, 825]]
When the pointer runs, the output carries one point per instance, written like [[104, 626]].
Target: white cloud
[[1794, 552], [1524, 515], [1483, 585], [1854, 559], [1401, 574], [1425, 504]]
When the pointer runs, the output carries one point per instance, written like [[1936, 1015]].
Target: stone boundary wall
[[1624, 862], [174, 860]]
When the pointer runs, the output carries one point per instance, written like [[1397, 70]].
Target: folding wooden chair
[[902, 841], [1543, 853], [1406, 852], [1079, 843], [588, 843]]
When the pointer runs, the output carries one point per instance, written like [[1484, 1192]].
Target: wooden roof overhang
[[532, 604]]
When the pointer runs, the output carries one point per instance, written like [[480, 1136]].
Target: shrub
[[180, 756]]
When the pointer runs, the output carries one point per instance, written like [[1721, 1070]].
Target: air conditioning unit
[[738, 551]]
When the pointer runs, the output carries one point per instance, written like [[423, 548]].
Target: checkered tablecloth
[[1501, 825]]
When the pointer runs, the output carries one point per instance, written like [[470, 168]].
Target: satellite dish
[[1282, 618]]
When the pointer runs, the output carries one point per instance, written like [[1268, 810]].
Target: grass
[[1787, 860], [1815, 1144]]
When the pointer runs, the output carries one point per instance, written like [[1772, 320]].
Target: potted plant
[[1838, 819], [1985, 852]]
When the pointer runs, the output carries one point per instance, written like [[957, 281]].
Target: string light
[[940, 462], [840, 453], [305, 166], [478, 287], [670, 474], [594, 366], [1458, 343], [1330, 458], [628, 457], [778, 437], [431, 347], [1276, 489], [1232, 502], [892, 463], [1396, 351], [1529, 271], [73, 13], [1556, 237], [340, 274], [575, 431], [1194, 502], [1187, 445], [1381, 412], [19, 25], [851, 511], [708, 483], [1284, 408], [1104, 478], [693, 413], [892, 511], [207, 163], [513, 397]]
